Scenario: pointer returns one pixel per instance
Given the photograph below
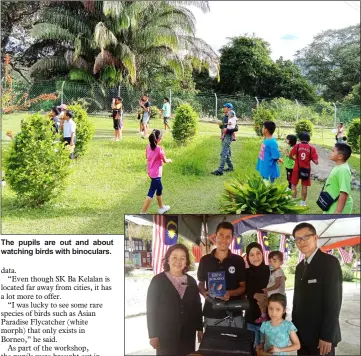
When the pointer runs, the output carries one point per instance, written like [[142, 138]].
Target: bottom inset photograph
[[242, 285]]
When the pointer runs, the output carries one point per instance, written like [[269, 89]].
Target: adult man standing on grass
[[317, 295], [226, 144]]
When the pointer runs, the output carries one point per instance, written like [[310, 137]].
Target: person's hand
[[280, 160], [226, 296], [154, 342], [169, 160], [273, 349], [200, 336], [324, 346]]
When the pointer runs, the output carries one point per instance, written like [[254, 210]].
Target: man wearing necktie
[[317, 295]]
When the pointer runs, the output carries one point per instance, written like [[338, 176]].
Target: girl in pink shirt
[[155, 156]]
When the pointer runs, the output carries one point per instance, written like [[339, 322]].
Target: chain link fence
[[208, 105]]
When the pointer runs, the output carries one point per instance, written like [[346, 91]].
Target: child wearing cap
[[231, 125]]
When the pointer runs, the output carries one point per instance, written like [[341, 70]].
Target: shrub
[[260, 115], [304, 126], [84, 129], [347, 274], [155, 112], [42, 106], [292, 264], [37, 165], [185, 125], [258, 196], [353, 135], [128, 268]]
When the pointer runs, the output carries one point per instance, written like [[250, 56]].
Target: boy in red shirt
[[303, 153]]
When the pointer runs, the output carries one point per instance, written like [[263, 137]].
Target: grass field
[[111, 180]]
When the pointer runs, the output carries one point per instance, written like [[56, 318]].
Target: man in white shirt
[[68, 126], [166, 114]]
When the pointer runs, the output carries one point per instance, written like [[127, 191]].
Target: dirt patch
[[325, 165]]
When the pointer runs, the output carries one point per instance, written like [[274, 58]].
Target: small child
[[55, 118], [269, 154], [231, 124], [277, 334], [339, 134], [117, 114], [156, 157], [338, 183], [289, 163], [68, 126], [166, 113], [302, 153], [276, 283]]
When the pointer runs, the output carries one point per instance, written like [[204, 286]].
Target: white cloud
[[272, 20]]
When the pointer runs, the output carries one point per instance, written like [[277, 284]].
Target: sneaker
[[303, 203], [260, 320], [228, 170], [217, 173], [163, 209]]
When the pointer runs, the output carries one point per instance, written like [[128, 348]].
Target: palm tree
[[120, 42]]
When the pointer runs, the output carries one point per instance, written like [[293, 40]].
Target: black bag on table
[[227, 341]]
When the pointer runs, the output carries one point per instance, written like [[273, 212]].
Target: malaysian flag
[[345, 256], [159, 248], [301, 257], [236, 246], [262, 239], [284, 243]]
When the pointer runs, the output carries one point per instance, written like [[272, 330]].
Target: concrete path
[[136, 334]]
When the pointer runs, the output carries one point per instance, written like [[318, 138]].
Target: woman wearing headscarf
[[257, 276], [174, 310]]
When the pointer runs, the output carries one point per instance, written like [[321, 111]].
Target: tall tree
[[332, 61], [246, 67], [118, 41]]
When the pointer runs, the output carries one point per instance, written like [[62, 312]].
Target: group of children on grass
[[297, 162]]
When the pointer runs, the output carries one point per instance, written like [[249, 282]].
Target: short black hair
[[69, 113], [118, 98], [55, 110], [302, 226], [270, 126], [292, 139], [344, 138], [278, 254], [166, 99], [225, 225], [341, 123], [343, 149], [304, 136]]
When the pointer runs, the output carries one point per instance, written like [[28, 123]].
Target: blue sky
[[287, 25]]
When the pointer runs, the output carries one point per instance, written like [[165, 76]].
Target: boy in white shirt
[[68, 126], [166, 115], [232, 122], [276, 284]]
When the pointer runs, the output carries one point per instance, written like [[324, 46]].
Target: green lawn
[[111, 180]]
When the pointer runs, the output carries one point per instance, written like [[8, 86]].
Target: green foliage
[[84, 129], [353, 98], [258, 196], [292, 263], [353, 135], [304, 126], [185, 125], [332, 61], [154, 112], [246, 67], [347, 274], [260, 115], [43, 106], [37, 164]]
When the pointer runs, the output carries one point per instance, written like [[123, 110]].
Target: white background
[[105, 332]]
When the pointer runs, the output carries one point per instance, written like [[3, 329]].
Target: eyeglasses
[[303, 238]]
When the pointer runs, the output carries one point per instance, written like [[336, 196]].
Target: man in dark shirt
[[221, 259]]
